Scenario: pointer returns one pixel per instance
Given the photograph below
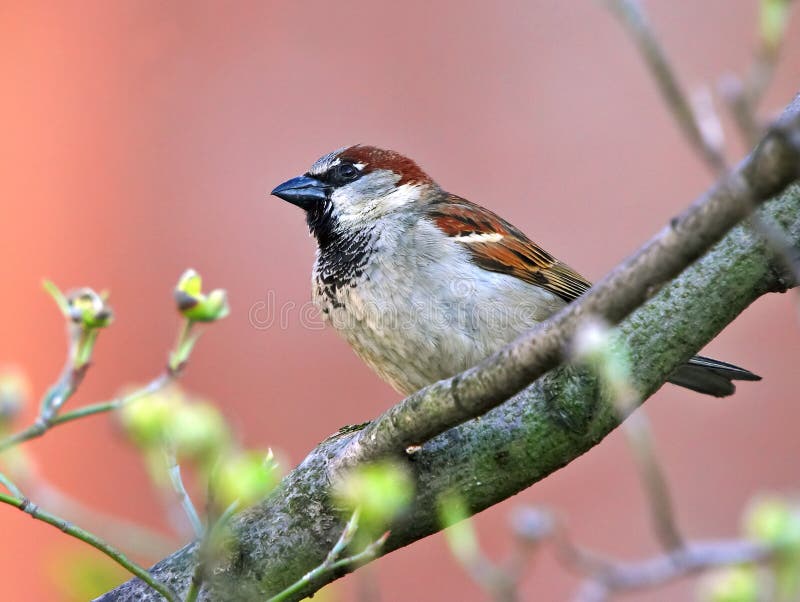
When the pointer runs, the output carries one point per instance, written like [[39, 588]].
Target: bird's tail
[[711, 377]]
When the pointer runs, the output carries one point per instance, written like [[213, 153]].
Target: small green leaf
[[774, 522], [148, 421], [246, 477], [198, 432], [190, 283], [733, 584], [195, 305], [772, 22], [218, 304], [79, 576], [14, 392], [458, 529], [381, 490], [17, 463], [600, 347]]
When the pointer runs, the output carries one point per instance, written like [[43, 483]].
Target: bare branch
[[606, 576], [174, 470], [637, 431], [25, 505], [634, 20], [744, 115], [333, 561], [695, 557], [743, 97]]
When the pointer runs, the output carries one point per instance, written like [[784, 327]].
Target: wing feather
[[511, 253]]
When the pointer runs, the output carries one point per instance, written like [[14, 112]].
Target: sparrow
[[424, 284]]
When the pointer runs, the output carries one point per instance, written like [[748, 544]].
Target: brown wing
[[497, 246]]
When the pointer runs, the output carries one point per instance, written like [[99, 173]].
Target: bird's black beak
[[303, 191]]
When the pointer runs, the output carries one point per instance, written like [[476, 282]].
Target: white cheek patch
[[402, 195], [476, 237], [354, 206]]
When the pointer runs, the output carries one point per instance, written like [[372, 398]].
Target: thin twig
[[732, 91], [633, 18], [157, 384], [41, 426], [694, 557], [138, 539], [615, 371], [183, 496], [606, 576], [637, 431], [743, 99], [65, 387], [201, 558], [332, 563], [73, 375], [500, 582], [9, 484], [196, 584], [368, 553], [595, 346], [56, 396], [744, 96], [214, 525], [25, 505]]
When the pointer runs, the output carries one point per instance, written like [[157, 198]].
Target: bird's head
[[356, 186]]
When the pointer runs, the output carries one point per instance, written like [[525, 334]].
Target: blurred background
[[141, 138]]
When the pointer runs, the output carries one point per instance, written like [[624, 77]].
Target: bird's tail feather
[[711, 377]]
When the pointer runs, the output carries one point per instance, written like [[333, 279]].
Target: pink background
[[140, 138]]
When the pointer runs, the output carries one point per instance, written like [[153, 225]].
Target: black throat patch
[[342, 255]]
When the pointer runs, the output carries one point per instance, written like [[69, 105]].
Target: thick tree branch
[[553, 421]]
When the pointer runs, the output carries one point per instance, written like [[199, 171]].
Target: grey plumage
[[424, 284]]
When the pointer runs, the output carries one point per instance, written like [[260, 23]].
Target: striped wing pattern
[[497, 246]]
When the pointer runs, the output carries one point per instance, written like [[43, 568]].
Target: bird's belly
[[414, 336], [408, 349]]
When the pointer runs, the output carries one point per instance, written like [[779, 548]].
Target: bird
[[424, 284]]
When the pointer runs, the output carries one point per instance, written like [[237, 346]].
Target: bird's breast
[[425, 312]]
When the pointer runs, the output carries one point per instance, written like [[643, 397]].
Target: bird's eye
[[346, 172]]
